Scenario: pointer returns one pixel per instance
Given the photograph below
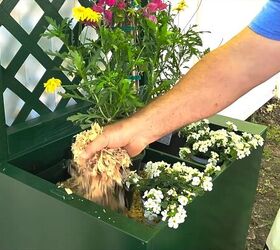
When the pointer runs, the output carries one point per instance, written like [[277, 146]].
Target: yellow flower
[[92, 15], [85, 14], [52, 84], [180, 6], [79, 13]]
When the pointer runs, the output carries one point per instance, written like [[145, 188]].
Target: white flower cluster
[[152, 202], [153, 169], [226, 143], [231, 126], [132, 179], [168, 189]]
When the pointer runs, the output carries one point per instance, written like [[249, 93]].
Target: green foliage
[[106, 68], [167, 49]]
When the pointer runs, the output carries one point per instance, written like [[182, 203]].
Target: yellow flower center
[[52, 84]]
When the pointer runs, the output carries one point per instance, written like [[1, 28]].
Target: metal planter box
[[35, 214]]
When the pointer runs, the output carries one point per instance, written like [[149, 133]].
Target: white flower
[[171, 207], [164, 215], [207, 184], [154, 194], [247, 135], [202, 146], [196, 181], [254, 142], [235, 137], [152, 169], [209, 168], [240, 154], [150, 203], [260, 139], [181, 214], [214, 155], [172, 192], [227, 150], [193, 136], [187, 177], [178, 167], [231, 126], [184, 152], [239, 145], [178, 218], [213, 161], [172, 222], [157, 209], [133, 178], [183, 200], [206, 121], [190, 194], [217, 168], [195, 146], [202, 132], [219, 137]]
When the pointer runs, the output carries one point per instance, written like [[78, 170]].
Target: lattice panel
[[24, 64]]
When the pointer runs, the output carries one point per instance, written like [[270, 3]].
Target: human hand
[[123, 134]]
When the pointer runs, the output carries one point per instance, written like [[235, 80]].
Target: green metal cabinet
[[36, 215]]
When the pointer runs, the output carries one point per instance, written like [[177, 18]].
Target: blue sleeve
[[267, 22]]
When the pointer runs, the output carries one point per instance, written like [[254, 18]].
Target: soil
[[267, 200]]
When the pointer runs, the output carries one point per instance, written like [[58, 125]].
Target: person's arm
[[216, 81]]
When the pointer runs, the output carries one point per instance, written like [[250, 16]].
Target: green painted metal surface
[[220, 219], [41, 216], [36, 215]]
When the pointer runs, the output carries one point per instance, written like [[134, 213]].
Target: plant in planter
[[217, 146], [167, 48], [115, 45], [167, 189]]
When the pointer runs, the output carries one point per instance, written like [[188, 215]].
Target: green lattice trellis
[[23, 135]]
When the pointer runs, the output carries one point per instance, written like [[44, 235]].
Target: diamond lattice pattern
[[24, 64]]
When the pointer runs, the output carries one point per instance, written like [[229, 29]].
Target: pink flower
[[152, 18], [98, 8], [160, 4], [152, 7], [110, 2], [108, 16], [155, 5], [121, 5]]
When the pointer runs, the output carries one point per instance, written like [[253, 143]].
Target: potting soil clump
[[100, 179]]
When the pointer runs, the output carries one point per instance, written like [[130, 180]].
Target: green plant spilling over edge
[[121, 55], [167, 189]]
